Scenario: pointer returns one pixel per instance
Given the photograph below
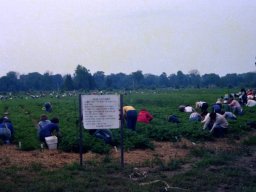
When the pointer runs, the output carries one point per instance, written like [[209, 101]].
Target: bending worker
[[130, 116]]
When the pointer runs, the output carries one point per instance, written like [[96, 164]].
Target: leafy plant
[[25, 114]]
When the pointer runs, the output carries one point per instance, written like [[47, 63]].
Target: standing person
[[130, 115], [217, 124], [144, 116], [50, 129]]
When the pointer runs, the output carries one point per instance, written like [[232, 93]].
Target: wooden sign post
[[100, 112]]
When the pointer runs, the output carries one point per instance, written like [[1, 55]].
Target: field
[[161, 156]]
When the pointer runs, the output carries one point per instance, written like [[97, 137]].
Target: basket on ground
[[51, 142]]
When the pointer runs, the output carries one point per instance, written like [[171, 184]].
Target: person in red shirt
[[144, 116]]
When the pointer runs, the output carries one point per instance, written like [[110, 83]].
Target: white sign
[[100, 111]]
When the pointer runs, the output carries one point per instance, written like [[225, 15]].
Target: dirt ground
[[10, 155]]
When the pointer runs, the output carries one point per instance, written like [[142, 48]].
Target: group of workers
[[131, 117], [215, 121], [226, 108], [45, 127]]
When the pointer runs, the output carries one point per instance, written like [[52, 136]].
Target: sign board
[[100, 111]]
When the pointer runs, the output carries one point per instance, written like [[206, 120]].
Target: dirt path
[[10, 155]]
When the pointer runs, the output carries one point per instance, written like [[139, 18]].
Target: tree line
[[83, 79]]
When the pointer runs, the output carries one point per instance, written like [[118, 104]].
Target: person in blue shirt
[[216, 107], [48, 107], [43, 122], [49, 129], [7, 135], [103, 134]]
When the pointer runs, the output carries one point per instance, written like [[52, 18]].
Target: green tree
[[68, 84], [46, 82], [172, 79], [248, 79], [99, 79], [31, 81], [151, 81], [230, 80], [117, 81], [10, 82], [83, 78], [211, 80], [137, 77], [181, 79], [194, 78], [163, 80]]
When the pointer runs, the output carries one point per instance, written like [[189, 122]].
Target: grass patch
[[250, 141]]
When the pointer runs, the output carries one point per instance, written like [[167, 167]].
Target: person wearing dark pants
[[130, 115], [201, 105], [217, 124]]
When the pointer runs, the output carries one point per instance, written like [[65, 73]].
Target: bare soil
[[10, 155]]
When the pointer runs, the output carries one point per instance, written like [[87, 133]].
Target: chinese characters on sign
[[100, 111]]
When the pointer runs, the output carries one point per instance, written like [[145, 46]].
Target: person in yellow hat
[[130, 116]]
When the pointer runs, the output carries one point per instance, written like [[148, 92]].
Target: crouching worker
[[144, 116], [43, 121], [217, 124], [50, 129], [6, 131], [202, 105], [236, 107], [195, 117], [104, 134], [48, 107], [228, 115], [186, 108], [173, 119]]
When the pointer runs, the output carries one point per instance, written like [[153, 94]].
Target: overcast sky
[[154, 36]]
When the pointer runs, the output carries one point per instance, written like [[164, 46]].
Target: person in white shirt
[[251, 103], [217, 124], [201, 105], [236, 107], [187, 108]]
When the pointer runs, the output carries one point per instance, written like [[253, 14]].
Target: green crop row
[[25, 113]]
